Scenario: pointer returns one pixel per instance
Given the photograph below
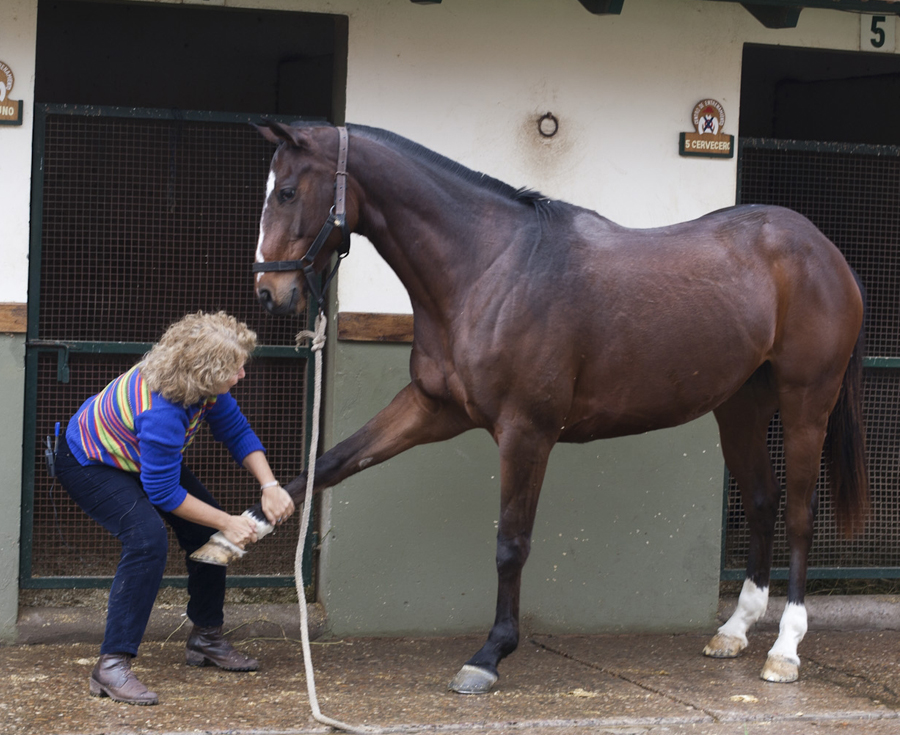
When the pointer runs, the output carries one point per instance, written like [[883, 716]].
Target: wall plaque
[[10, 109], [709, 141]]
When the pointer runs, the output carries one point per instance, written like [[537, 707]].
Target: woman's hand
[[240, 530], [276, 504]]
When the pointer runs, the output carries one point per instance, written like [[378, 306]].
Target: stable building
[[131, 189]]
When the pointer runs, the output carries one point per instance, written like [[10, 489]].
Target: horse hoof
[[473, 680], [780, 670], [724, 646], [218, 550]]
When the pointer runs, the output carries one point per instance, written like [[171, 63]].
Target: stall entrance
[[805, 145], [147, 184], [140, 218]]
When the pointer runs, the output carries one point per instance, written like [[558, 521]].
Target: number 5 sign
[[877, 33]]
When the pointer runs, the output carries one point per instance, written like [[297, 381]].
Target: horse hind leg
[[804, 415], [743, 427]]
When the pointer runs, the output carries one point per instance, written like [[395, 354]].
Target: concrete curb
[[86, 625], [242, 621]]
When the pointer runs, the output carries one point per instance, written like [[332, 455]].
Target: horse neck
[[430, 226]]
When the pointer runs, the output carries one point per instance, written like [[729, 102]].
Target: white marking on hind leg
[[751, 607], [791, 630], [731, 638], [783, 664]]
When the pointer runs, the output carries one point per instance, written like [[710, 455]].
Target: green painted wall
[[12, 378], [627, 536]]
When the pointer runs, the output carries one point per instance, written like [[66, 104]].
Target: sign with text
[[878, 33], [10, 109], [709, 141]]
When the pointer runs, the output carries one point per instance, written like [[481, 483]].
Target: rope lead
[[318, 342]]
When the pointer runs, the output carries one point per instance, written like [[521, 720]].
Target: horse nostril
[[265, 298]]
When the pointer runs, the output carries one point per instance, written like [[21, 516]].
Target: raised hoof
[[724, 646], [780, 670], [218, 550], [473, 680]]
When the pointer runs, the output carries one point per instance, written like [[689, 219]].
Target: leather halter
[[337, 217]]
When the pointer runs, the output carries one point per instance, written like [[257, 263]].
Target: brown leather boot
[[112, 677], [208, 646]]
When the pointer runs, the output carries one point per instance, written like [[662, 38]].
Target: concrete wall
[[628, 531], [17, 40], [627, 535], [12, 375]]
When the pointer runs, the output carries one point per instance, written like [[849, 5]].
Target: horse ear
[[276, 132]]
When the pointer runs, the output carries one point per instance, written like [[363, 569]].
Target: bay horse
[[743, 312]]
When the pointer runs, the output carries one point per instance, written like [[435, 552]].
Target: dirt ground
[[553, 685], [561, 686]]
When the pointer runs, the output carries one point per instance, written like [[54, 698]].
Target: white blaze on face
[[270, 187]]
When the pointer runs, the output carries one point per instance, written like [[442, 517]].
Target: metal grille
[[852, 193], [143, 220]]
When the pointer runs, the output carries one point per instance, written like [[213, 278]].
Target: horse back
[[655, 327]]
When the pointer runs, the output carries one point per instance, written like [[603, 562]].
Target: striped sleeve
[[106, 422]]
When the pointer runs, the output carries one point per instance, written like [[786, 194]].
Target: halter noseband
[[337, 217]]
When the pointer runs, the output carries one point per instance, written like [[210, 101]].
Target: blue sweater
[[130, 427]]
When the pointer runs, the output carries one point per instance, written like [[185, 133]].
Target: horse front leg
[[410, 419], [523, 462]]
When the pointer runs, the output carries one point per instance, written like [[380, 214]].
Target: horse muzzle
[[291, 300]]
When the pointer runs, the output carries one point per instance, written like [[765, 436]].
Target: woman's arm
[[276, 503]]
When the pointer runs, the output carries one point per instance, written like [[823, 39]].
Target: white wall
[[470, 78], [17, 41]]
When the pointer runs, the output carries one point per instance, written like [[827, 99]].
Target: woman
[[121, 461]]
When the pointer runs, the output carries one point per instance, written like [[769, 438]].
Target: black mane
[[421, 153]]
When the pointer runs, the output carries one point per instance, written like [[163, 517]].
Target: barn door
[[852, 193], [139, 217]]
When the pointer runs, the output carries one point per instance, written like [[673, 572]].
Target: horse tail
[[846, 443]]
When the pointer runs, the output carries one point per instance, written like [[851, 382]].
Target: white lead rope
[[318, 342]]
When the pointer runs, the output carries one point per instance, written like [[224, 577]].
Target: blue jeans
[[117, 501]]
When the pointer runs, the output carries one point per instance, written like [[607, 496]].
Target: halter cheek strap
[[337, 217]]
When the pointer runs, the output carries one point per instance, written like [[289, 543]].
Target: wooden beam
[[14, 318], [359, 327]]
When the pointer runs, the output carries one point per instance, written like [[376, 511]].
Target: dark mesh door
[[852, 193], [139, 220]]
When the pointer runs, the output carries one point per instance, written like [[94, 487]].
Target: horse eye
[[285, 195]]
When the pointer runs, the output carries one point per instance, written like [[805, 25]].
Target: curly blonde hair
[[196, 355]]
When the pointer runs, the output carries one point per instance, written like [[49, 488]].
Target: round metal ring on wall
[[548, 125]]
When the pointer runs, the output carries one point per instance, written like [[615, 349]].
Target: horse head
[[304, 214]]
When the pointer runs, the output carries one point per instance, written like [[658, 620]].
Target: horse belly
[[658, 391]]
